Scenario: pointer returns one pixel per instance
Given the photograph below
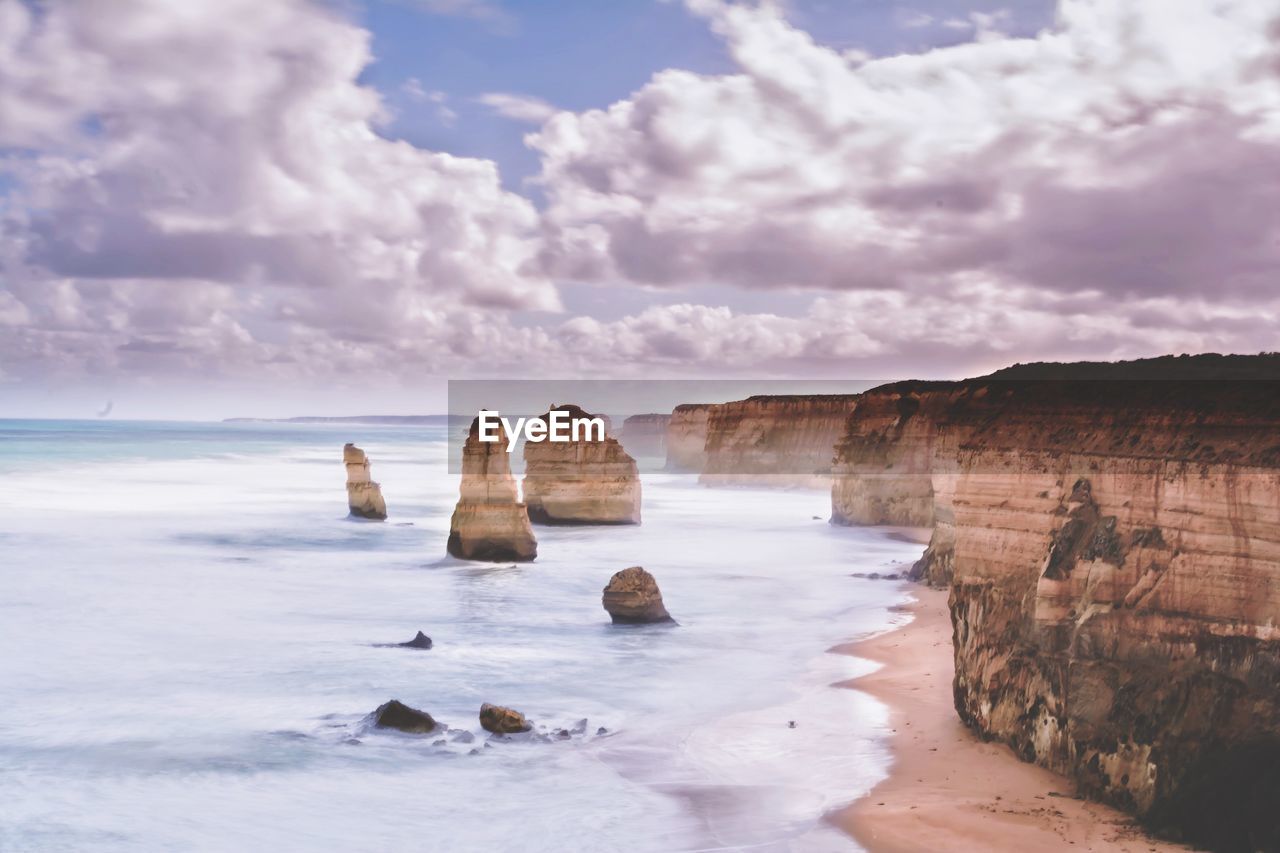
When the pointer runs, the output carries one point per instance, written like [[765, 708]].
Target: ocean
[[192, 638]]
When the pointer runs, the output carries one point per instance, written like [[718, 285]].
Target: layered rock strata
[[645, 435], [490, 522], [883, 471], [687, 437], [364, 497], [1113, 553], [583, 481], [775, 440]]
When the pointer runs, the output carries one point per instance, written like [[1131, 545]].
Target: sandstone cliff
[[775, 440], [490, 522], [582, 481], [364, 497], [645, 435], [687, 437], [1113, 554], [883, 471]]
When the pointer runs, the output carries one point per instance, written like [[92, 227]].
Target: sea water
[[193, 633]]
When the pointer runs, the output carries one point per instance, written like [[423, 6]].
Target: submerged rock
[[490, 522], [632, 597], [364, 497], [397, 715], [422, 641], [588, 480], [502, 721]]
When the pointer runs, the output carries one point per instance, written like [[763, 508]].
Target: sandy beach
[[947, 790]]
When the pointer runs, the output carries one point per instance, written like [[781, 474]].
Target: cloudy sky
[[222, 207]]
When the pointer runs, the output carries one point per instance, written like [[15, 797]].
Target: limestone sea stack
[[490, 523], [587, 481], [633, 598], [364, 497]]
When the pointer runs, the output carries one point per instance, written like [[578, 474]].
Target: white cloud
[[230, 181], [518, 107], [1129, 150]]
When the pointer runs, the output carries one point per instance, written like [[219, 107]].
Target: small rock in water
[[422, 641], [397, 715], [632, 597], [502, 721], [602, 731]]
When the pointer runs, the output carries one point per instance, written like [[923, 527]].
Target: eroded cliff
[[645, 435], [687, 437], [1113, 554], [786, 440]]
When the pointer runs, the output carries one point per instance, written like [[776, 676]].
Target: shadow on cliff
[[1230, 802]]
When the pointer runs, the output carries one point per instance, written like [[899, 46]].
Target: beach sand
[[947, 790]]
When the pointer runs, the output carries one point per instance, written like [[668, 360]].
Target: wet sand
[[947, 790]]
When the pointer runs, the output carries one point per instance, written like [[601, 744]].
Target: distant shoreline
[[388, 420]]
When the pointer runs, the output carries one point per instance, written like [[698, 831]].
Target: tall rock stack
[[490, 522], [581, 482], [364, 497]]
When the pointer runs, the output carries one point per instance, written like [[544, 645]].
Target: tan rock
[[632, 597], [490, 522], [687, 437], [364, 497], [502, 721], [1113, 547], [581, 482], [784, 441], [645, 435]]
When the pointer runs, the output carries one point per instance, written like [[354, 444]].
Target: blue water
[[189, 646]]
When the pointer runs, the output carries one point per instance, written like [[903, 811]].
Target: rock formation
[[883, 462], [502, 721], [1112, 546], [633, 598], [490, 522], [397, 715], [645, 435], [580, 482], [687, 437], [421, 641], [364, 497], [775, 440]]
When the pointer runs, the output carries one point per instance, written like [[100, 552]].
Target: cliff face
[[883, 471], [687, 437], [1113, 553], [645, 435], [581, 482], [489, 523], [364, 497], [776, 440]]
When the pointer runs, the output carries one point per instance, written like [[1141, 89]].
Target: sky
[[224, 208]]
